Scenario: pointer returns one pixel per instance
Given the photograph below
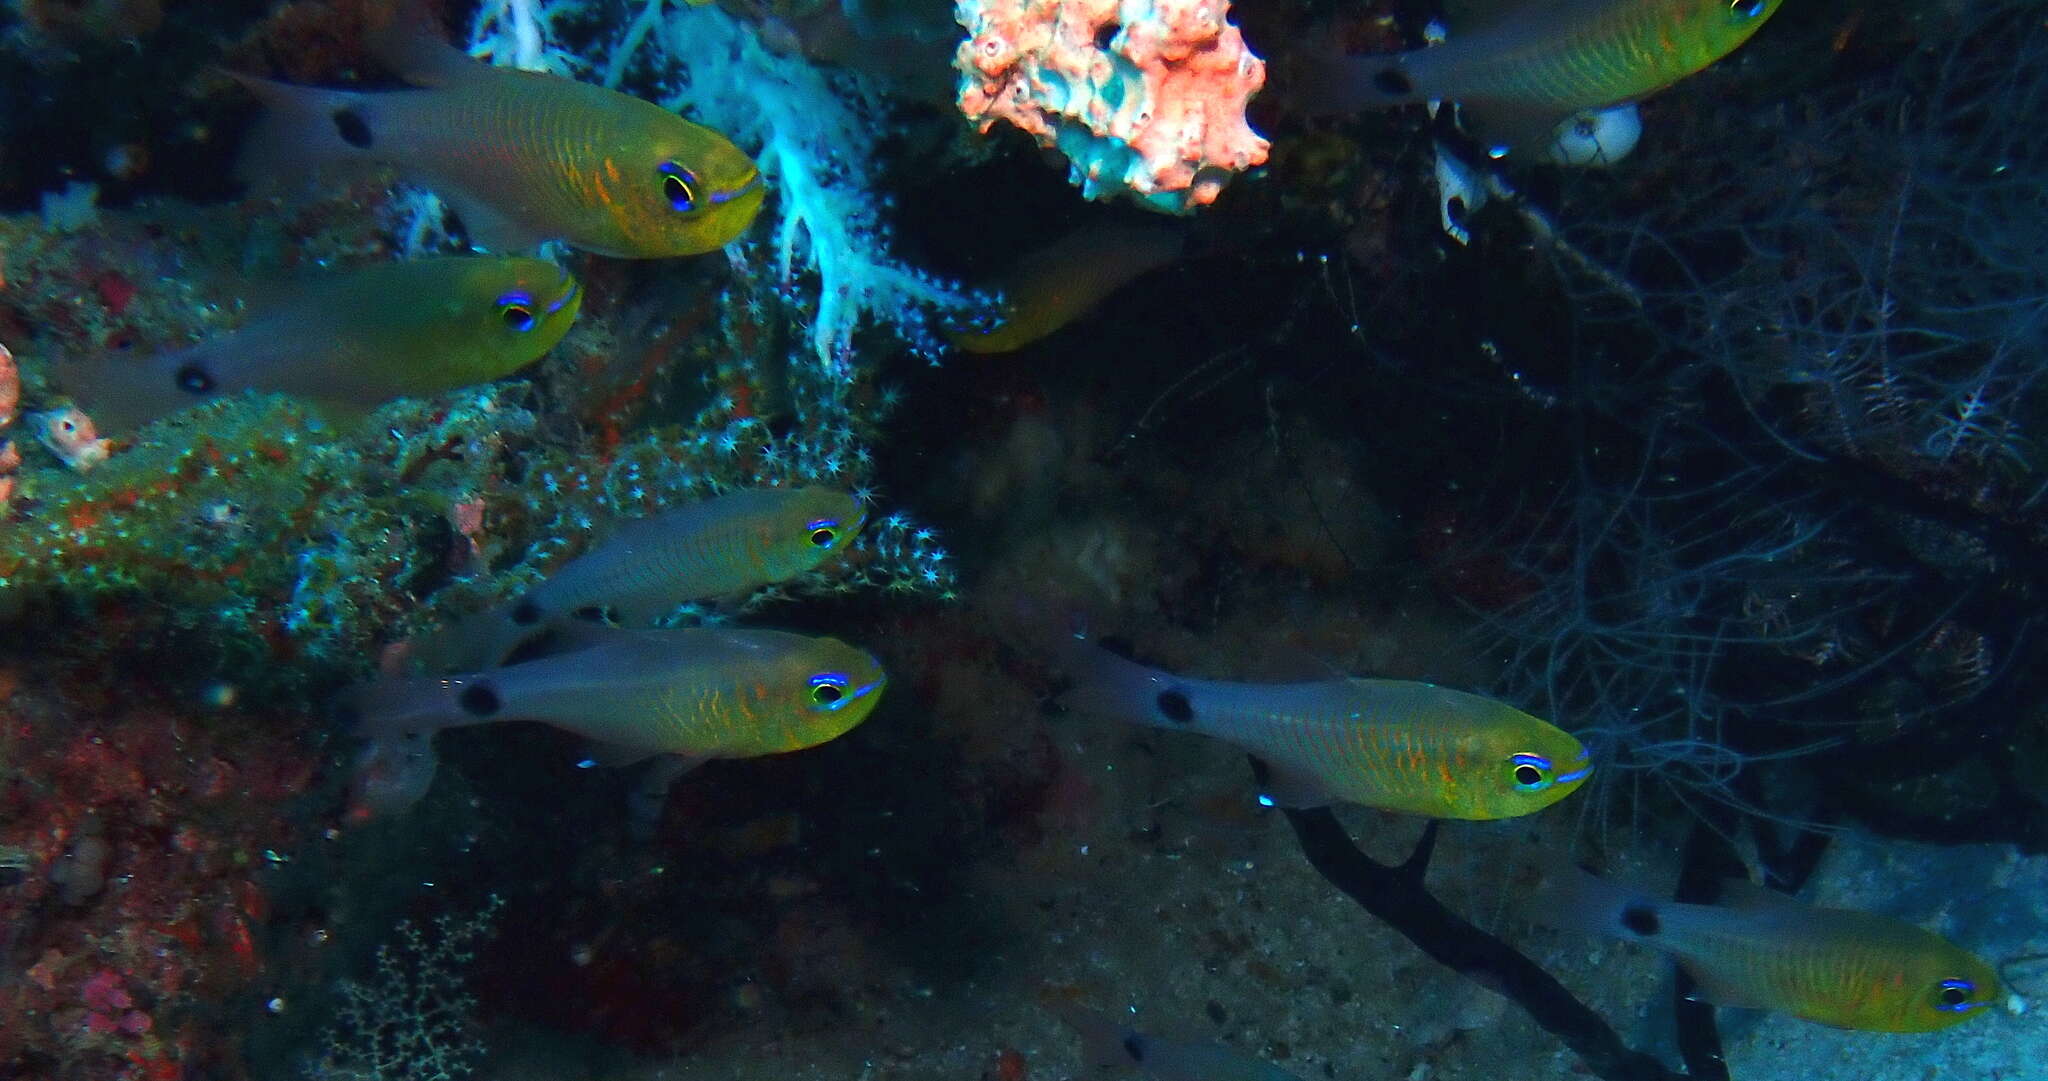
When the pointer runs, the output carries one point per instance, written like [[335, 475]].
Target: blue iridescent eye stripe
[[574, 288], [1966, 987], [823, 523], [831, 679], [520, 298], [728, 196], [1567, 778], [1536, 760]]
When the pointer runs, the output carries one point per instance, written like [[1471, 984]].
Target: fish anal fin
[[650, 791], [486, 227], [610, 755], [1513, 126], [1720, 991], [1294, 787]]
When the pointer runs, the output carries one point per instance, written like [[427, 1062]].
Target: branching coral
[[412, 1020], [815, 135]]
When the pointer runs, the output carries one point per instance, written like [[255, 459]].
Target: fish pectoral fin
[[1294, 787]]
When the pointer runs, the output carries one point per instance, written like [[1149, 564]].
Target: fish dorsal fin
[[404, 41], [1742, 895], [1465, 16]]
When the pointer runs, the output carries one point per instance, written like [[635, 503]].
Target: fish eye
[[1954, 995], [828, 690], [679, 186], [824, 533], [1747, 9], [1531, 772], [516, 309], [193, 379]]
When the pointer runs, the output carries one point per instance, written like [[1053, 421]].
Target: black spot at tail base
[[479, 700], [1641, 919], [353, 129], [1393, 82], [526, 613], [193, 379], [1134, 1047], [1175, 707]]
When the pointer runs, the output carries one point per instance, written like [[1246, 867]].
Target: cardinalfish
[[521, 157], [1063, 281], [1392, 744], [353, 340], [721, 549], [1107, 1045], [1855, 970], [1523, 70], [698, 693]]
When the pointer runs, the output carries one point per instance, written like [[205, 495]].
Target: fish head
[[806, 527], [823, 688], [517, 308], [1945, 985], [1524, 765], [690, 190]]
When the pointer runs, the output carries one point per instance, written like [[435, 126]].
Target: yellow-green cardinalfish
[[722, 548], [1392, 744], [521, 157], [698, 692], [1536, 63], [1107, 1045], [352, 340], [1763, 950], [1065, 280]]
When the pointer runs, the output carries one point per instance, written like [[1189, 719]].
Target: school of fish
[[523, 158]]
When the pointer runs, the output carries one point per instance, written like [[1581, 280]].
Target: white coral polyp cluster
[[1142, 96]]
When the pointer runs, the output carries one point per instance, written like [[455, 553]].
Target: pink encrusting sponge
[[1142, 96]]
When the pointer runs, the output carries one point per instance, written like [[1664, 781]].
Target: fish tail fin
[[1112, 686], [469, 644], [389, 708], [1578, 900], [1105, 1045], [305, 131], [1320, 79], [391, 774], [119, 397]]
